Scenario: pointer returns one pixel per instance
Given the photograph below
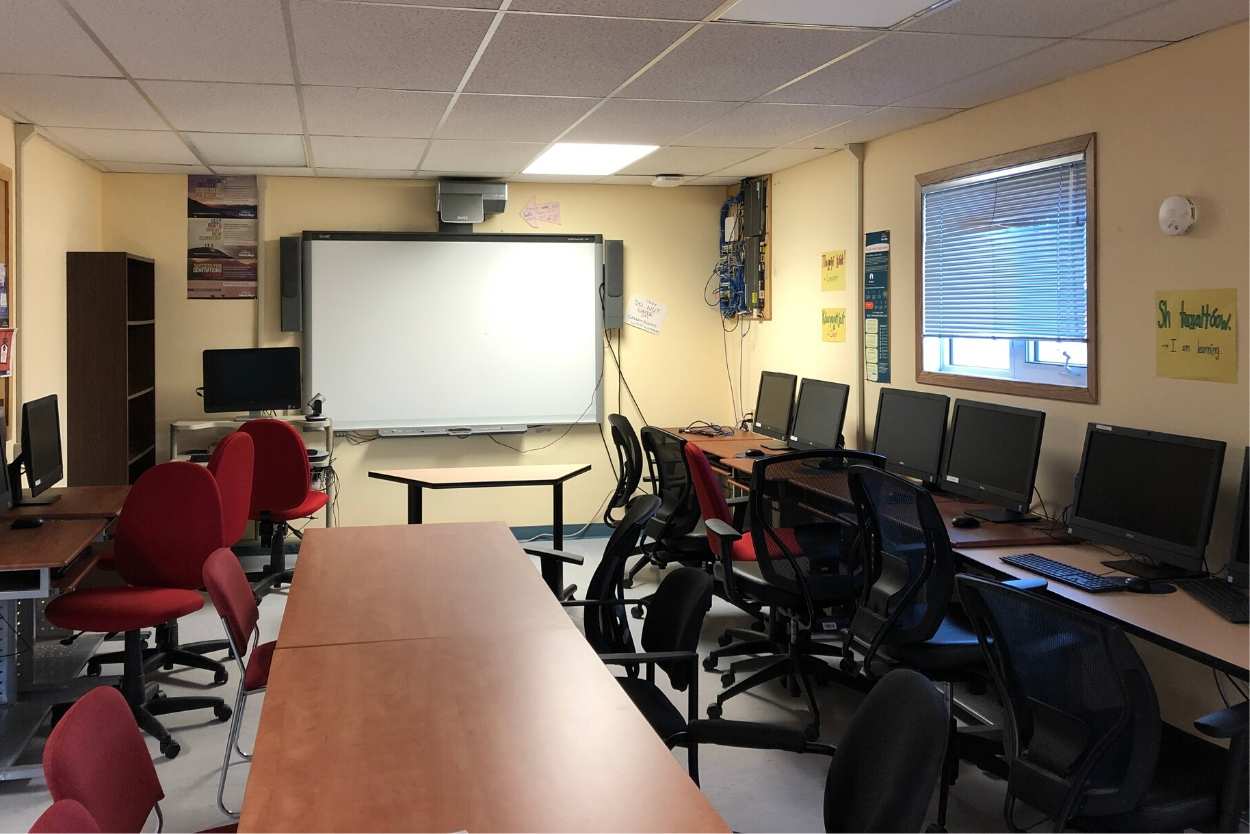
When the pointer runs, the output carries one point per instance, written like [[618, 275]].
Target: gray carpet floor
[[753, 790]]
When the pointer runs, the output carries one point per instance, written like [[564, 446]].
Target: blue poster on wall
[[877, 306]]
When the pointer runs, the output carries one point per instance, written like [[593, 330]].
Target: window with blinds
[[1006, 282]]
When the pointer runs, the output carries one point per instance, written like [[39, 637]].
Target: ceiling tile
[[359, 152], [480, 158], [460, 4], [1064, 59], [768, 163], [78, 102], [249, 149], [124, 145], [247, 108], [689, 161], [646, 122], [667, 9], [768, 125], [193, 40], [513, 118], [553, 178], [902, 65], [624, 179], [263, 170], [712, 65], [1176, 20], [879, 123], [385, 46], [358, 111], [715, 179], [41, 37], [568, 56], [152, 168], [878, 13], [367, 174], [1051, 19]]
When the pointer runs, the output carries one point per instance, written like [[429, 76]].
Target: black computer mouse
[[965, 521], [754, 453], [26, 522], [1138, 585]]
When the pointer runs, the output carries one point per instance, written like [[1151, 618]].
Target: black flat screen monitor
[[910, 430], [252, 379], [1149, 493], [774, 407], [41, 445], [819, 414], [991, 456], [1239, 558], [6, 491]]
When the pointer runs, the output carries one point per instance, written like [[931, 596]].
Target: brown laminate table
[[426, 708], [478, 477], [76, 502]]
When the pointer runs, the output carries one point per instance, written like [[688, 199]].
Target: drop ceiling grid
[[485, 82]]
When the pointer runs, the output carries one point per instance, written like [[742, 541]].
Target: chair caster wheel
[[220, 677], [848, 666], [714, 711], [627, 583], [724, 640], [637, 612], [93, 670], [727, 679], [170, 749], [811, 732], [709, 664], [168, 667], [222, 712], [759, 626]]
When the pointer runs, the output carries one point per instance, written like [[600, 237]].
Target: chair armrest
[[645, 657], [588, 603], [1227, 723], [1029, 584], [550, 553], [722, 529]]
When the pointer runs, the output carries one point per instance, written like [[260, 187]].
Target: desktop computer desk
[[425, 679]]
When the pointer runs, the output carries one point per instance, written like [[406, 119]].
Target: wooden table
[[738, 435], [477, 477], [462, 717], [77, 502]]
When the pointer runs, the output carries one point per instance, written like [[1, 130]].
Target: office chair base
[[271, 582]]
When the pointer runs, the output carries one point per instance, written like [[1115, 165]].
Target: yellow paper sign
[[1196, 334], [833, 270], [833, 324]]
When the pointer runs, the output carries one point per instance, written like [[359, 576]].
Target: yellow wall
[[670, 244], [60, 202], [1172, 121]]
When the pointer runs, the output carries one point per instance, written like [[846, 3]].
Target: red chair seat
[[121, 609], [744, 548], [312, 502], [256, 676]]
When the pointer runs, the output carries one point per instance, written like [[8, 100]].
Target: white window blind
[[1004, 253]]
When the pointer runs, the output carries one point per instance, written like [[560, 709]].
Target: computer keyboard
[[1224, 598], [1066, 574]]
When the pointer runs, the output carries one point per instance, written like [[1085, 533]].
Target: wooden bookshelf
[[111, 363]]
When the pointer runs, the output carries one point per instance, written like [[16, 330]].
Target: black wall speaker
[[613, 284], [292, 283]]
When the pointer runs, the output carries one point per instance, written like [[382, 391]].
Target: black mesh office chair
[[670, 640], [628, 466], [808, 577], [1083, 737], [904, 616], [674, 534]]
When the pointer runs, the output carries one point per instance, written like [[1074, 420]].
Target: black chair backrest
[[665, 454], [792, 552], [629, 465], [909, 569], [607, 628], [890, 757], [675, 619], [1082, 718]]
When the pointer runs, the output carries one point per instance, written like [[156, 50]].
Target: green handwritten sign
[[1196, 334]]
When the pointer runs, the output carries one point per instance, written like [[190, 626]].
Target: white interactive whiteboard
[[433, 334]]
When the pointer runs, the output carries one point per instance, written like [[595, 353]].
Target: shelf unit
[[111, 362]]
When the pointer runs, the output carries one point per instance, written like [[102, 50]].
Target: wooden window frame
[[1085, 145]]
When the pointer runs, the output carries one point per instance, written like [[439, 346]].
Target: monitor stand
[[251, 415], [1148, 570], [773, 447], [1001, 515], [38, 501]]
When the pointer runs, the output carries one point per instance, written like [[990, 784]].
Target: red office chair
[[231, 466], [281, 492], [169, 525], [235, 602], [65, 816], [95, 757]]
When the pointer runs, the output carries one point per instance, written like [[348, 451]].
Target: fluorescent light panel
[[587, 159]]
